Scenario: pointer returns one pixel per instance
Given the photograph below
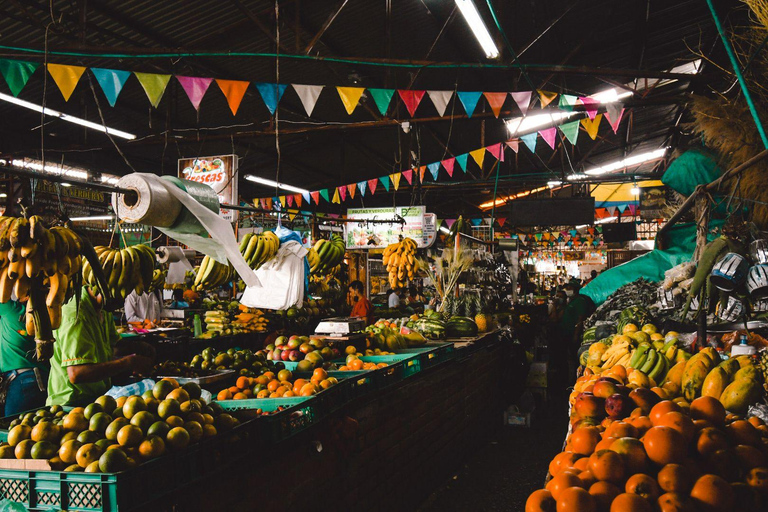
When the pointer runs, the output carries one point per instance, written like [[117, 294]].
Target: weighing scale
[[340, 332]]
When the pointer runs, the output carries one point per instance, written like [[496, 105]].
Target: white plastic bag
[[282, 280]]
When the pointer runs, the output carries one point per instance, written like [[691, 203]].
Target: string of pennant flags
[[112, 81]]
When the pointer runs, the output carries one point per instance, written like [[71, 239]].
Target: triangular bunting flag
[[567, 102], [422, 169], [530, 141], [291, 216], [571, 131], [154, 86], [111, 82], [496, 151], [372, 185], [66, 77], [350, 97], [271, 94], [17, 73], [522, 99], [315, 196], [395, 177], [448, 165], [590, 106], [592, 125], [297, 200], [478, 156], [382, 97], [546, 97], [475, 222], [440, 100], [289, 199], [462, 161], [195, 87], [487, 221], [411, 99], [449, 222], [501, 221], [306, 196], [434, 168], [408, 176], [362, 186], [611, 210], [352, 188], [336, 199], [385, 181], [549, 136], [613, 113], [269, 203], [342, 192], [495, 101], [324, 194], [514, 144], [622, 208], [469, 99], [233, 90], [308, 95], [282, 201]]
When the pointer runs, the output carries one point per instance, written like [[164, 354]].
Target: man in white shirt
[[146, 306], [394, 299]]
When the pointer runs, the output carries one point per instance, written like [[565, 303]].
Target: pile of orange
[[673, 457], [357, 364], [269, 385]]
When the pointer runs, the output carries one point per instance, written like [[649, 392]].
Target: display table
[[385, 451]]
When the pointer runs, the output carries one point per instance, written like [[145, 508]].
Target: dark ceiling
[[613, 41]]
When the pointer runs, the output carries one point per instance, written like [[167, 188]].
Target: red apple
[[285, 355], [618, 406]]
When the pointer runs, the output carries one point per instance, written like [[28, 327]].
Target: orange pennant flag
[[233, 90], [496, 101], [592, 125], [421, 173], [395, 179], [66, 77], [297, 198], [546, 97], [351, 189], [350, 97], [478, 155]]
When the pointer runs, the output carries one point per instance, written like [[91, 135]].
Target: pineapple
[[482, 322], [763, 364]]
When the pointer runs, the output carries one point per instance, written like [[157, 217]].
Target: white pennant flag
[[614, 112], [523, 100], [440, 99], [308, 95]]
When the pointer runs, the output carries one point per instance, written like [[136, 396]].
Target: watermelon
[[460, 327]]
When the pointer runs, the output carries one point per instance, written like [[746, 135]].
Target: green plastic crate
[[300, 413], [431, 354]]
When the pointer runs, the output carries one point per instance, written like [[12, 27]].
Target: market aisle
[[506, 469]]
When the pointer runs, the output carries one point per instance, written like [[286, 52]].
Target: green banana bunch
[[257, 249], [213, 274], [126, 270], [158, 279], [330, 253]]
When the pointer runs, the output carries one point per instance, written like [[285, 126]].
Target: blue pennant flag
[[111, 82], [361, 185], [530, 141], [469, 100], [433, 169], [271, 94]]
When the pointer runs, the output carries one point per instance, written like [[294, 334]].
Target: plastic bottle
[[198, 325], [743, 348]]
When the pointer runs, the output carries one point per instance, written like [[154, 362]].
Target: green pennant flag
[[571, 131], [385, 181], [154, 85], [17, 73], [567, 102], [324, 194], [382, 97]]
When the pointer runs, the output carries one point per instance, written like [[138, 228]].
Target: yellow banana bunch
[[257, 249], [158, 279], [213, 274], [125, 269], [326, 254], [400, 259]]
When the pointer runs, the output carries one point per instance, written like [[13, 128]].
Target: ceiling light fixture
[[630, 161], [635, 190], [475, 22], [526, 124], [95, 217], [59, 170], [67, 117], [554, 183], [502, 200], [271, 183], [3, 195]]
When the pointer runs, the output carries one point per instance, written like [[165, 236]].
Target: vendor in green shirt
[[23, 378], [83, 361]]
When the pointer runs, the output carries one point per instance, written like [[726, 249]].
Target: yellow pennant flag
[[66, 77], [592, 125], [478, 155], [336, 199], [291, 216], [350, 96], [546, 97], [395, 179], [282, 201]]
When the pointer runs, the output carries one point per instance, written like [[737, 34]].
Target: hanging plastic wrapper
[[730, 310], [758, 251], [184, 210]]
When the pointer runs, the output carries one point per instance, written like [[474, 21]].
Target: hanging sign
[[360, 235], [652, 202], [430, 229], [78, 201], [216, 172]]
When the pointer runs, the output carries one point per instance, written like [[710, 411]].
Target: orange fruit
[[173, 382], [356, 364], [224, 394], [674, 478], [664, 445], [607, 465], [319, 374], [605, 444], [604, 493], [710, 440], [234, 389], [273, 385], [583, 440], [708, 408], [741, 432], [269, 376], [662, 408], [755, 421], [242, 382], [561, 482], [581, 464], [298, 384], [643, 485], [621, 429], [308, 390], [562, 460], [679, 422], [540, 501], [262, 394], [587, 478], [710, 492], [641, 423], [750, 457], [627, 502], [633, 452], [576, 499], [674, 502], [239, 396]]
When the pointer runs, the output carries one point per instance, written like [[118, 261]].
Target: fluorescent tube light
[[65, 184], [95, 217], [59, 170], [630, 161], [576, 177], [3, 195], [527, 124], [445, 230], [271, 183], [610, 95], [502, 200], [475, 22], [607, 219], [554, 183], [67, 117]]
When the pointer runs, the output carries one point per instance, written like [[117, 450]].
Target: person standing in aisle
[[394, 299], [83, 362], [24, 379], [361, 306], [571, 325], [146, 306]]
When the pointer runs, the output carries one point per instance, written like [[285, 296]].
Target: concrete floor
[[512, 464]]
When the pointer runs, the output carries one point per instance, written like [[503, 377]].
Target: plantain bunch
[[125, 270], [400, 259], [213, 274]]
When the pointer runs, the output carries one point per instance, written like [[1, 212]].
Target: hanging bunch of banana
[[257, 249], [326, 254], [125, 270], [213, 274], [400, 259], [158, 280]]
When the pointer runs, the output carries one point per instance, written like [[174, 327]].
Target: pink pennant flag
[[290, 200], [450, 222], [590, 106], [549, 136], [513, 144], [372, 185], [195, 87], [351, 188], [263, 203], [343, 192], [408, 175], [496, 151], [411, 99], [297, 198], [448, 165], [315, 196], [522, 99]]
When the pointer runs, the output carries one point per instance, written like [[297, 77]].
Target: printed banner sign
[[378, 236], [652, 201], [216, 172]]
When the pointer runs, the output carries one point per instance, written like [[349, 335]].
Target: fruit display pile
[[326, 255], [278, 385], [245, 362], [111, 435], [310, 353]]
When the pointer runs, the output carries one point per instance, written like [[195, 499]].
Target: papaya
[[731, 366], [747, 372], [712, 354], [745, 361], [693, 378], [715, 382], [673, 382], [740, 394], [596, 351]]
